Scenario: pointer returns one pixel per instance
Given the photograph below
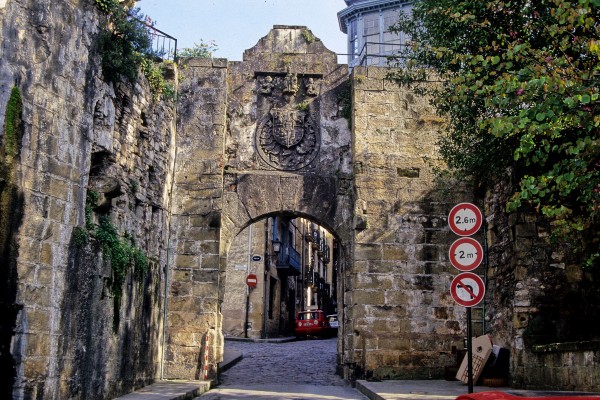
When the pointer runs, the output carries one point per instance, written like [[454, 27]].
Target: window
[[353, 38]]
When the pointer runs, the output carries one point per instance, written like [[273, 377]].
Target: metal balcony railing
[[288, 261], [164, 46], [375, 53]]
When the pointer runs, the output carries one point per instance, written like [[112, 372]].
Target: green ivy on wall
[[120, 251], [9, 150], [12, 135]]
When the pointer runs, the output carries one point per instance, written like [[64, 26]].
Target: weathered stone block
[[35, 367], [57, 188], [187, 261], [394, 252], [35, 295], [191, 321], [368, 252], [206, 275], [368, 297], [181, 275], [181, 288], [210, 261]]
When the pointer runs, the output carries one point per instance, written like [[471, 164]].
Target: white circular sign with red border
[[467, 289], [466, 254], [465, 219]]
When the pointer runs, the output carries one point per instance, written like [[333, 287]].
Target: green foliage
[[91, 201], [114, 249], [126, 47], [124, 42], [80, 236], [308, 36], [12, 134], [303, 106], [154, 73], [520, 84], [134, 185], [10, 192], [200, 50], [140, 262], [120, 251], [106, 6], [345, 102]]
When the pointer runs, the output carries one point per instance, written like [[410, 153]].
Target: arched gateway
[[270, 135]]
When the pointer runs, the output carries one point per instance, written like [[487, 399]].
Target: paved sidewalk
[[383, 390], [169, 390], [181, 390]]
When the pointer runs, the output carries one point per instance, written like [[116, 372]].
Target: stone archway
[[266, 136], [259, 137]]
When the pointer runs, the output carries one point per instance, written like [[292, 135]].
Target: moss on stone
[[11, 139], [9, 150]]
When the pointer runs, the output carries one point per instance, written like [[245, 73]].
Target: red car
[[506, 396], [311, 323]]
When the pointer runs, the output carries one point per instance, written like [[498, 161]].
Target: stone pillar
[[404, 322], [193, 308]]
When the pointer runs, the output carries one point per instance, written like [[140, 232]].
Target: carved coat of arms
[[287, 138]]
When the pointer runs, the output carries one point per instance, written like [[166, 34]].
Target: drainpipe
[[164, 330], [302, 271], [167, 266], [485, 271], [248, 287], [263, 334]]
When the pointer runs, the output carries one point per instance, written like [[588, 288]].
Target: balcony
[[288, 261]]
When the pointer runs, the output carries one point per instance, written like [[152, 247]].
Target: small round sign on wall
[[251, 280], [465, 219]]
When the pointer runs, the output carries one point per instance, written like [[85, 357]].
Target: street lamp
[[276, 246]]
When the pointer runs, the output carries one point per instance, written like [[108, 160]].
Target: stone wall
[[568, 366], [239, 265], [70, 336], [400, 321], [538, 296]]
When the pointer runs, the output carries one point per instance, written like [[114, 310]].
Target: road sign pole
[[469, 352]]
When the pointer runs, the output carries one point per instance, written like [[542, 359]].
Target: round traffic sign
[[467, 289], [465, 219], [251, 280], [465, 254]]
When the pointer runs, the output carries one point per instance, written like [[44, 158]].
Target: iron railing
[[289, 260], [163, 46], [375, 53]]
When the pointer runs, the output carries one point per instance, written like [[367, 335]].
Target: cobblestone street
[[294, 370]]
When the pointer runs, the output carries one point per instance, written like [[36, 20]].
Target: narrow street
[[295, 370]]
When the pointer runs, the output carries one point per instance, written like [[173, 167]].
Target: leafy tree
[[200, 50], [519, 81]]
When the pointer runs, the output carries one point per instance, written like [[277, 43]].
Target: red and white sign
[[466, 254], [467, 289], [251, 280], [465, 219]]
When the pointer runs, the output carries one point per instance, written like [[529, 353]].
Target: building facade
[[367, 24], [292, 261]]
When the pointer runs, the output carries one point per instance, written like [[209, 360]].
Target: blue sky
[[236, 25]]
